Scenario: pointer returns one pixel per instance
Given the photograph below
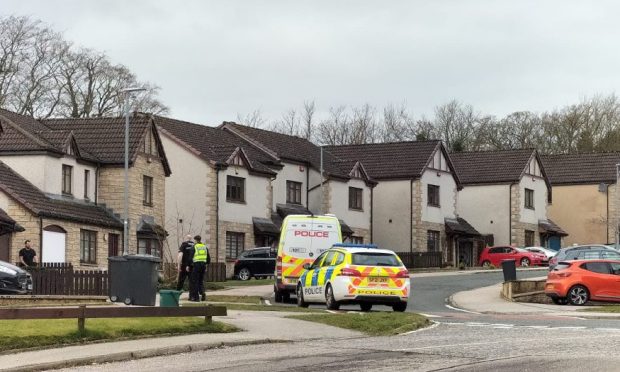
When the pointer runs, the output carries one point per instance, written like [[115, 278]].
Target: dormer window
[[67, 175]]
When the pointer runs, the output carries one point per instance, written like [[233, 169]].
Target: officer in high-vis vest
[[201, 259]]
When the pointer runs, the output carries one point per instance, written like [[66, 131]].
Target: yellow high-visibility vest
[[200, 253]]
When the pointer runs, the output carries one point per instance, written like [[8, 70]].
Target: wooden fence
[[63, 279], [216, 271], [418, 260]]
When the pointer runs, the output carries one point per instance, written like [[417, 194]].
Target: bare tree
[[398, 124], [307, 119], [254, 119], [334, 129]]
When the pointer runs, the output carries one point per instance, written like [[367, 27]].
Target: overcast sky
[[214, 59]]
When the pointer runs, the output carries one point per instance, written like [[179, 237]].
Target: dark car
[[584, 252], [14, 280], [257, 262]]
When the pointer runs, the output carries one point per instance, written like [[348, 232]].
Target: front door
[[555, 243], [5, 247], [465, 253], [53, 249], [113, 245]]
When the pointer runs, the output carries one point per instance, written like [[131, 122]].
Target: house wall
[[532, 216], [289, 172], [111, 192], [447, 196], [186, 197], [391, 215], [33, 225], [45, 172], [487, 209], [257, 190], [339, 202], [581, 210]]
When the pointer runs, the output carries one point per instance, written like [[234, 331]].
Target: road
[[460, 341]]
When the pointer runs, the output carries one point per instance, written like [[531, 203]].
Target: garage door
[[53, 246]]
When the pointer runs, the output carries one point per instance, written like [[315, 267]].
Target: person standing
[[27, 255], [184, 261], [200, 260]]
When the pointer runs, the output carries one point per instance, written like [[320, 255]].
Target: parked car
[[584, 252], [495, 255], [14, 280], [577, 282], [256, 262], [549, 253], [355, 274]]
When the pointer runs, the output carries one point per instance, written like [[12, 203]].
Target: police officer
[[184, 259], [201, 259]]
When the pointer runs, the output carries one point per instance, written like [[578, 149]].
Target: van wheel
[[330, 301], [277, 295], [300, 297], [365, 306], [286, 297]]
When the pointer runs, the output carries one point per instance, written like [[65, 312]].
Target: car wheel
[[244, 274], [578, 295], [525, 262], [400, 307], [486, 263], [300, 297], [560, 300], [330, 301], [365, 306]]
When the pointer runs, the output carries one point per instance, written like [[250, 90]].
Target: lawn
[[248, 283], [373, 323], [22, 334], [256, 300], [603, 309], [257, 307]]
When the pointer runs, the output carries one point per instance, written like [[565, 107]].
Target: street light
[[127, 92]]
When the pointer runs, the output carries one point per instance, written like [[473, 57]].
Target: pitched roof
[[23, 134], [41, 205], [460, 226], [287, 147], [213, 144], [590, 168], [487, 167], [550, 227], [389, 160], [104, 138]]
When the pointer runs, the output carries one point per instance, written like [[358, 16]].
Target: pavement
[[259, 327]]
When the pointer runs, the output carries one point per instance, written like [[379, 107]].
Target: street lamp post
[[127, 92], [616, 217]]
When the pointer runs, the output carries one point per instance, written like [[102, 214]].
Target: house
[[505, 196], [63, 187], [414, 201], [344, 189], [237, 184], [584, 195]]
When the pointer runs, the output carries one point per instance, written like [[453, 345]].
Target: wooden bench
[[81, 313]]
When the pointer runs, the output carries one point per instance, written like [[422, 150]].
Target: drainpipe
[[372, 207], [510, 213], [97, 185], [217, 213], [40, 239], [607, 214], [411, 219]]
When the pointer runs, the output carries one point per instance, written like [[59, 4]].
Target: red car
[[580, 281], [495, 255]]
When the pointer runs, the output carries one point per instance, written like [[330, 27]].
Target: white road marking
[[607, 329], [430, 315], [463, 310], [569, 327], [435, 324]]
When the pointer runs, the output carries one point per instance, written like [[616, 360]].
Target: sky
[[216, 59]]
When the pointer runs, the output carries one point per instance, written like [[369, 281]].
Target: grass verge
[[252, 307], [248, 283], [603, 309], [25, 334], [255, 300], [373, 323]]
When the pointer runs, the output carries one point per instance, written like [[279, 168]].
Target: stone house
[[414, 201], [505, 196], [584, 196], [79, 163]]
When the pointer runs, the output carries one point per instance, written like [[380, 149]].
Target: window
[[293, 192], [150, 146], [88, 246], [67, 172], [234, 244], [529, 198], [433, 195], [113, 240], [86, 182], [328, 259], [529, 238], [149, 246], [496, 250], [235, 189], [318, 260], [339, 258], [355, 199], [432, 242], [374, 259], [597, 267], [147, 183], [356, 239]]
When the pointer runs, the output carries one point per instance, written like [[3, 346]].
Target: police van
[[303, 238]]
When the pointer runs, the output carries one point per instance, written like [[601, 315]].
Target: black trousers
[[196, 284], [183, 274]]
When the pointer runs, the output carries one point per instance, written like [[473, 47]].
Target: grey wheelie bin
[[133, 279]]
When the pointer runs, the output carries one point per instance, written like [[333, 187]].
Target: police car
[[355, 274]]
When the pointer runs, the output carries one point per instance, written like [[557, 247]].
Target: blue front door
[[555, 243]]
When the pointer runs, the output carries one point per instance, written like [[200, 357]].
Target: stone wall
[[612, 220], [32, 226], [518, 233], [363, 233], [112, 186], [420, 228], [515, 214]]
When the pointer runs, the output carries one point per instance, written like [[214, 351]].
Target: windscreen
[[374, 259]]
